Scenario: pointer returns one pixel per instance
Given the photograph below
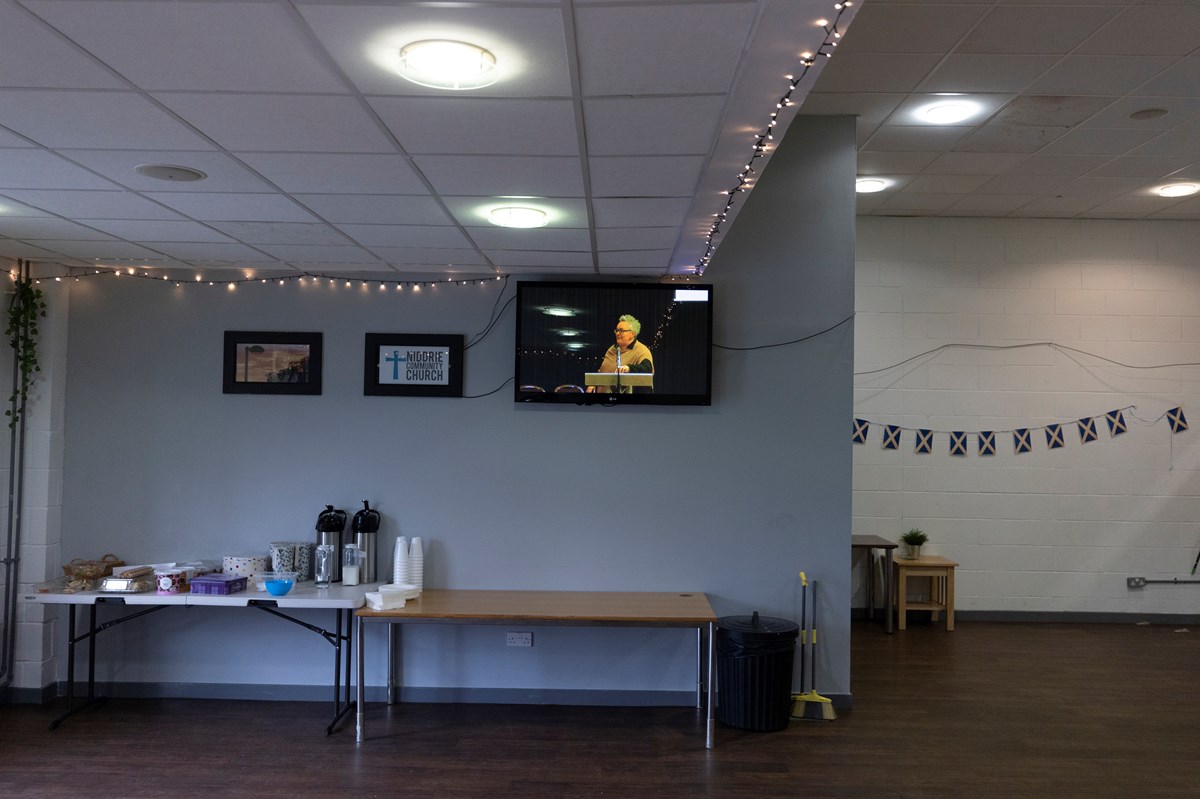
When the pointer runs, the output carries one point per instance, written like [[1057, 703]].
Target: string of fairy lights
[[300, 278], [762, 138]]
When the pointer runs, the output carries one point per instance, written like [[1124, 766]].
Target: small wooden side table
[[940, 572]]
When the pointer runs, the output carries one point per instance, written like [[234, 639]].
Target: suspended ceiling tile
[[850, 72], [1180, 80], [894, 163], [642, 176], [365, 41], [45, 227], [1006, 138], [406, 235], [919, 202], [1099, 141], [974, 163], [993, 72], [300, 253], [912, 28], [1057, 206], [997, 204], [35, 203], [546, 238], [1061, 165], [345, 269], [946, 184], [662, 125], [281, 123], [196, 45], [376, 209], [635, 259], [44, 170], [548, 176], [1169, 28], [119, 120], [94, 204], [1011, 183], [336, 172], [297, 233], [155, 231], [1100, 188], [224, 173], [914, 138], [1117, 115], [1142, 167], [636, 238], [621, 47], [481, 126], [561, 258], [1184, 142], [210, 251], [634, 211], [429, 255], [88, 250], [1036, 30], [32, 55], [1099, 75], [13, 140], [224, 206]]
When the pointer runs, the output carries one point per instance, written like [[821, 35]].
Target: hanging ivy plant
[[26, 306]]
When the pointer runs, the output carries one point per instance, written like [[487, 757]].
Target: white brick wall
[[1048, 530]]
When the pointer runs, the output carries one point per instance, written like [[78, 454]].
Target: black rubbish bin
[[754, 671]]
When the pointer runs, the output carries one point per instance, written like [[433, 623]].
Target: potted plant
[[913, 540]]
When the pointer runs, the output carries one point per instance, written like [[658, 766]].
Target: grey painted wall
[[732, 500]]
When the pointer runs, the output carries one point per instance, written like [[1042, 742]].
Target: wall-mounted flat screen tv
[[614, 343]]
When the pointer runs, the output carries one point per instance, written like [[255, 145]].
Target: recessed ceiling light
[[870, 185], [558, 310], [447, 64], [1178, 190], [1149, 113], [178, 174], [575, 346], [948, 112], [518, 216]]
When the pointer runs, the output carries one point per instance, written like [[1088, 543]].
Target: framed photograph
[[269, 362], [413, 365]]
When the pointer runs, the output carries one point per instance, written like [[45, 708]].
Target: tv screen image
[[614, 343]]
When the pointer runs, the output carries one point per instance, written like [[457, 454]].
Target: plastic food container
[[218, 584]]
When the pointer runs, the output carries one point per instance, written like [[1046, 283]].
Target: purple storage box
[[218, 584]]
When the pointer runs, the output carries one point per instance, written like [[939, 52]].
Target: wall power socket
[[518, 639]]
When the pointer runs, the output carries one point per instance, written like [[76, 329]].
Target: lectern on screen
[[565, 330]]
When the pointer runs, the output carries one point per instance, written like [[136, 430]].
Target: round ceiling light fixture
[[1178, 190], [557, 310], [870, 185], [171, 172], [948, 112], [447, 64], [518, 216]]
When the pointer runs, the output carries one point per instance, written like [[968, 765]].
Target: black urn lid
[[366, 520], [331, 520]]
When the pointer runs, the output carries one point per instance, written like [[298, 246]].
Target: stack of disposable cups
[[416, 564], [400, 561]]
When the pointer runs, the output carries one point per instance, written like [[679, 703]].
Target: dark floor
[[990, 710]]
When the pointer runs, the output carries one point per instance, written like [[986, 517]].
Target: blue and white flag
[[987, 443], [891, 436], [1177, 420], [1116, 423], [1021, 442], [924, 442], [958, 443], [1054, 436], [1087, 430], [861, 426]]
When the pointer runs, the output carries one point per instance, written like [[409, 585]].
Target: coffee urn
[[330, 525], [365, 526]]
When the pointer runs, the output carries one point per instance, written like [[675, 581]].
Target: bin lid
[[758, 628]]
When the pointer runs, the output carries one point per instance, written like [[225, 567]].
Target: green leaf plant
[[27, 305]]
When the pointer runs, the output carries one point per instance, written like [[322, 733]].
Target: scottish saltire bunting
[[924, 442], [958, 443], [1087, 430], [987, 443], [891, 436], [1177, 420], [1021, 442], [861, 426], [1054, 436], [1116, 423]]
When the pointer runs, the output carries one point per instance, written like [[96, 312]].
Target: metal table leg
[[360, 727], [887, 589], [711, 726]]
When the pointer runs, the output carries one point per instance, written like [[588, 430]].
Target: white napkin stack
[[389, 597]]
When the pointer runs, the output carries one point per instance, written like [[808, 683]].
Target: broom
[[810, 705]]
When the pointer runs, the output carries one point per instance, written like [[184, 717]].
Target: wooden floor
[[990, 710]]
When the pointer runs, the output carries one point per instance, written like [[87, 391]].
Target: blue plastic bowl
[[278, 587]]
